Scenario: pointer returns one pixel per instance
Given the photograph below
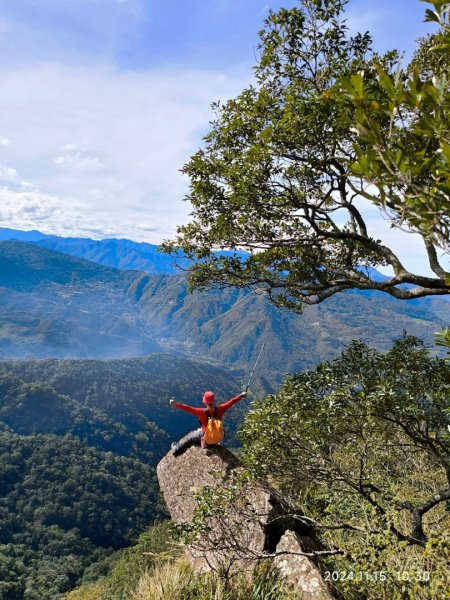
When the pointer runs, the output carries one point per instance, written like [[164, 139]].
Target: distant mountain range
[[119, 253], [79, 438], [53, 304], [59, 305]]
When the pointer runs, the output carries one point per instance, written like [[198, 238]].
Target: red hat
[[208, 398]]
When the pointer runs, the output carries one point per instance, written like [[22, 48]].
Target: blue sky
[[102, 102]]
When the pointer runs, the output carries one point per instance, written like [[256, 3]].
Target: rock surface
[[182, 476], [252, 523], [233, 540], [300, 570]]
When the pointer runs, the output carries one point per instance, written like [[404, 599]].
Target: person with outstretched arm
[[207, 417]]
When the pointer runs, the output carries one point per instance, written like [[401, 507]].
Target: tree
[[361, 446], [275, 178], [407, 164]]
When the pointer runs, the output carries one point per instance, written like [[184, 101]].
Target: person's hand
[[243, 394], [172, 402]]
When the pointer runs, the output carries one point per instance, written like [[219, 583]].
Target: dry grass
[[176, 581], [168, 581]]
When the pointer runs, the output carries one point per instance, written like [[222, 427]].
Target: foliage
[[443, 338], [36, 407], [408, 162], [63, 507], [273, 177], [154, 570], [118, 405], [154, 546], [79, 480], [177, 582], [361, 445], [88, 592]]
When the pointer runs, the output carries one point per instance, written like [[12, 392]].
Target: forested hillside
[[65, 506], [358, 449], [55, 305], [79, 441], [347, 424], [230, 325], [132, 391]]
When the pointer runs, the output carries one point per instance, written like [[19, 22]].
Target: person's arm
[[222, 408], [189, 409]]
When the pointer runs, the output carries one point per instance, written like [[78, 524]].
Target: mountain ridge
[[110, 252], [61, 306]]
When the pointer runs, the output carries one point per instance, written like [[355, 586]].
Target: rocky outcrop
[[298, 569], [253, 522]]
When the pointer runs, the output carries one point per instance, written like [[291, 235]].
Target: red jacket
[[200, 413]]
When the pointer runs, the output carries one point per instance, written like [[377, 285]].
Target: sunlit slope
[[231, 325], [56, 305]]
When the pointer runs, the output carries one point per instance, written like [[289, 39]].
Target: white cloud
[[4, 141], [8, 174], [77, 158], [99, 152], [103, 146], [28, 208]]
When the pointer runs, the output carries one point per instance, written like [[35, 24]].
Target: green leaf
[[431, 16]]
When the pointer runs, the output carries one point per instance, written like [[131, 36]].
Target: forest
[[79, 444], [358, 444], [359, 449]]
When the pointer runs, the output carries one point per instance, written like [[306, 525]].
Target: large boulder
[[299, 569], [253, 522]]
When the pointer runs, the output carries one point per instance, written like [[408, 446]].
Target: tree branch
[[417, 512], [433, 260]]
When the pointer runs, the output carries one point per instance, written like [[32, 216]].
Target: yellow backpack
[[214, 432]]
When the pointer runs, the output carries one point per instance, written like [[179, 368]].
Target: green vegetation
[[443, 338], [361, 446], [154, 569], [45, 314], [130, 395], [177, 582], [65, 506], [156, 545], [283, 163], [79, 441], [36, 407], [403, 144]]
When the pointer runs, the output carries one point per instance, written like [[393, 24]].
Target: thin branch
[[433, 260]]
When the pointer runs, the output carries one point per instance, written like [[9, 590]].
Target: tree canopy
[[408, 162], [361, 446], [282, 176]]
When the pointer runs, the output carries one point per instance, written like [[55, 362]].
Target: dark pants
[[190, 439]]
